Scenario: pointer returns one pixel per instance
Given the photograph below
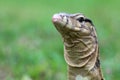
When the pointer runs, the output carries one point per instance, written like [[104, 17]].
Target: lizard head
[[67, 23]]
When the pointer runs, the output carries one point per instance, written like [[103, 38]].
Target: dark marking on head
[[67, 22], [61, 16], [88, 20]]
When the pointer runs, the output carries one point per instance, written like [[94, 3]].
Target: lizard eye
[[81, 19]]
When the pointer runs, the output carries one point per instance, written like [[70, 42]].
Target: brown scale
[[80, 46]]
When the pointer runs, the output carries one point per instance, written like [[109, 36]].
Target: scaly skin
[[80, 46]]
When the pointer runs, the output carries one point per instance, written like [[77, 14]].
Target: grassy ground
[[32, 49]]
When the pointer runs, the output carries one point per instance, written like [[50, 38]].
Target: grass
[[31, 48]]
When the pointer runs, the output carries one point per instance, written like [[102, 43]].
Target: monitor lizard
[[81, 50]]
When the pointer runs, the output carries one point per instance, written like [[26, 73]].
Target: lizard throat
[[84, 50]]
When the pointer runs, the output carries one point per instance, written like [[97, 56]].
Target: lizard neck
[[76, 73], [79, 52], [81, 56]]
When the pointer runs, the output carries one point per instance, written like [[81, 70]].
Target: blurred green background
[[32, 49]]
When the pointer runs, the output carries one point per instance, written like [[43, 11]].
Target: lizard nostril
[[56, 18]]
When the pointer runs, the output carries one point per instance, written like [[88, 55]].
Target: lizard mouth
[[56, 18], [67, 22], [60, 19]]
